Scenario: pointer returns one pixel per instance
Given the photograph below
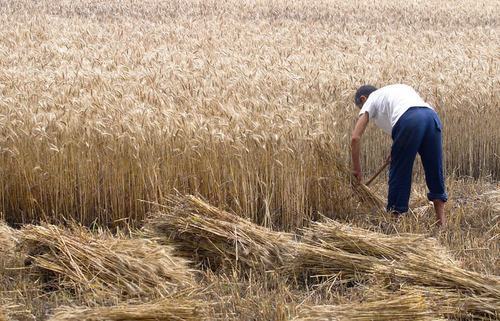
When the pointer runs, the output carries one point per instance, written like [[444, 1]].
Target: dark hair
[[364, 90]]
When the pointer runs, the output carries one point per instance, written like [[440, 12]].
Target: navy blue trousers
[[418, 130]]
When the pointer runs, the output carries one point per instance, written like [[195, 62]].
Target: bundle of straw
[[409, 307], [220, 236], [8, 239], [8, 242], [493, 199], [461, 292], [217, 236], [428, 271], [102, 265], [335, 235], [317, 261], [406, 258], [329, 249], [12, 311], [166, 309], [367, 196], [364, 194], [457, 305]]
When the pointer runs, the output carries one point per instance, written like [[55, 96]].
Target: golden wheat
[[106, 103], [102, 267], [109, 107]]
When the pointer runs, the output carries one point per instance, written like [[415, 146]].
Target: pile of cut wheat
[[217, 236], [408, 307], [327, 249], [103, 266], [178, 309]]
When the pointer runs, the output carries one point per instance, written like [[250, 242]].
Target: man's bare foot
[[439, 209]]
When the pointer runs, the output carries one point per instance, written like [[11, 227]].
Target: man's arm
[[358, 131]]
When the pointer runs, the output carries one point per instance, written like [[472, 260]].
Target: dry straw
[[432, 271], [8, 241], [457, 305], [346, 180], [170, 309], [217, 236], [10, 310], [103, 266], [409, 307], [493, 199], [410, 303], [317, 261], [329, 233], [328, 248], [402, 258], [464, 292]]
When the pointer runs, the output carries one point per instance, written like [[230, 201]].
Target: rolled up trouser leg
[[431, 153]]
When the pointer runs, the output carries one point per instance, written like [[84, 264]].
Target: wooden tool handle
[[377, 173]]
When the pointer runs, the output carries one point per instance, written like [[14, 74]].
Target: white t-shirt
[[386, 105]]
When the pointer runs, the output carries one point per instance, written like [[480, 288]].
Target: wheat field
[[106, 103], [107, 108]]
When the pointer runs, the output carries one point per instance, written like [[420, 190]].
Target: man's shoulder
[[395, 87]]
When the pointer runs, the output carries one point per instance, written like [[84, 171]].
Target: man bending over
[[415, 128]]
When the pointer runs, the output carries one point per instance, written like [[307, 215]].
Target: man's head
[[362, 94]]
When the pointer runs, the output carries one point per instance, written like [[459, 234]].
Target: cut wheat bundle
[[492, 198], [8, 243], [6, 236], [8, 239], [318, 261], [332, 234], [11, 310], [175, 309], [410, 257], [367, 196], [221, 236], [410, 307], [347, 179], [102, 265], [459, 305], [331, 247], [428, 271], [218, 236]]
